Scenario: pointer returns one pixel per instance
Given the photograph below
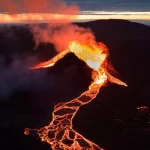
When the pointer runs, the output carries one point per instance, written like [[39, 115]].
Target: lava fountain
[[60, 133]]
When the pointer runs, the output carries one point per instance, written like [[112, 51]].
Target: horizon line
[[48, 17]]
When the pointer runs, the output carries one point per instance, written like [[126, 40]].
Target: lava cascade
[[60, 133]]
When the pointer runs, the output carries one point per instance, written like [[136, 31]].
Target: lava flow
[[60, 133]]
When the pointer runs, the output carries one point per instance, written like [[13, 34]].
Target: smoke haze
[[59, 34], [17, 75], [38, 6]]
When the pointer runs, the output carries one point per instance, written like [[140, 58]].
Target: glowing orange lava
[[60, 133], [142, 108]]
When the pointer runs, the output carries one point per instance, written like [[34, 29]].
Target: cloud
[[38, 6], [17, 75], [58, 33]]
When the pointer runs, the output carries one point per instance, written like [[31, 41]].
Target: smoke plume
[[17, 75], [38, 6], [61, 35], [58, 32]]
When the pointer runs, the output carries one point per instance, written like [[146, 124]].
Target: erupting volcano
[[60, 133]]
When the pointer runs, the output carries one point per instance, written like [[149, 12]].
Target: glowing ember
[[142, 108], [60, 133]]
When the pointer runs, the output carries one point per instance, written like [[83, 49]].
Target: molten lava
[[63, 136]]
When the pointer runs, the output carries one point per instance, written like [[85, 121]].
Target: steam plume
[[60, 34]]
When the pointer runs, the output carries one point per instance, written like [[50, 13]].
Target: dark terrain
[[112, 120]]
